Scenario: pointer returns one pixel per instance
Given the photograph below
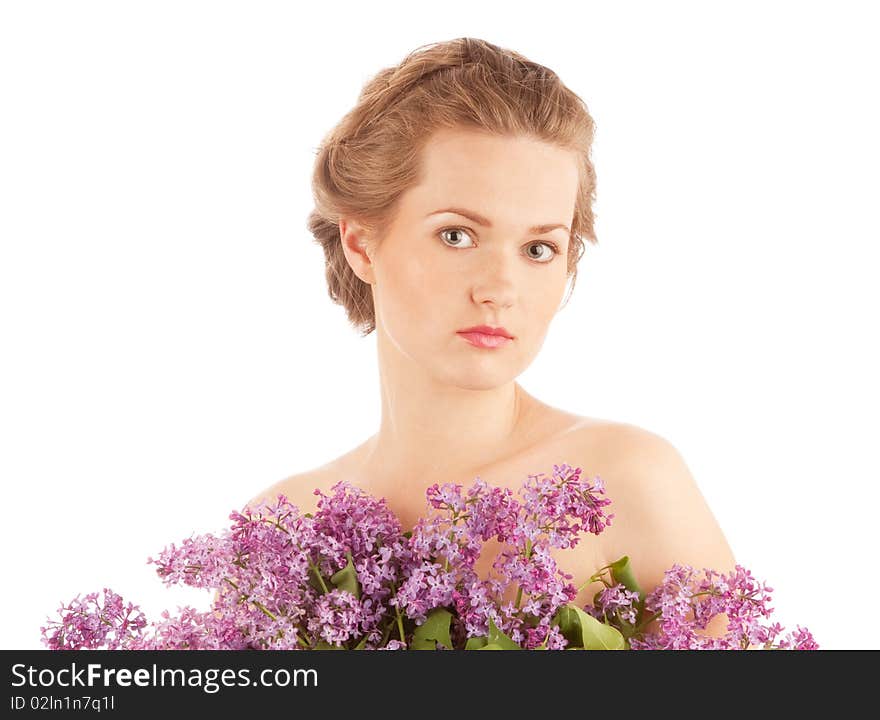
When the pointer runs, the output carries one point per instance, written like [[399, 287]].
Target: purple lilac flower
[[493, 511], [539, 577], [337, 617], [457, 535], [273, 575], [615, 601], [545, 636], [799, 639], [190, 629], [553, 500], [474, 603], [426, 587], [90, 623], [366, 528], [687, 602]]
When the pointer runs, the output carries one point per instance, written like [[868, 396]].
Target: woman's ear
[[355, 244]]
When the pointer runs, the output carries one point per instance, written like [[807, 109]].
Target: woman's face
[[437, 273]]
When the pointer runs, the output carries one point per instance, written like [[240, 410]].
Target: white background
[[169, 349]]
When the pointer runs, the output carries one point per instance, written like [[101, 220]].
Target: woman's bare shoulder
[[299, 489], [604, 439], [617, 452], [620, 452], [616, 437]]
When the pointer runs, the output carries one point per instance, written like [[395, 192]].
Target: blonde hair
[[371, 157]]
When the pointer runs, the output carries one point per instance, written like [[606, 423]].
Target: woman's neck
[[420, 443]]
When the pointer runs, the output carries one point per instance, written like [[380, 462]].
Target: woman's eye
[[453, 231], [545, 257], [452, 242]]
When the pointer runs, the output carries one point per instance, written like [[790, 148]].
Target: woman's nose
[[495, 281]]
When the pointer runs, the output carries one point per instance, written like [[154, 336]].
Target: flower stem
[[314, 567], [400, 627], [455, 517], [647, 621], [543, 645], [264, 609], [528, 555], [397, 612]]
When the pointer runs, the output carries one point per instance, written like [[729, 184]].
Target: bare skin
[[623, 455], [557, 437], [447, 405], [452, 411]]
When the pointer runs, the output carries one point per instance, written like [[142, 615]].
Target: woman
[[452, 204]]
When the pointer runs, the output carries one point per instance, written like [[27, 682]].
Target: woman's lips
[[482, 340]]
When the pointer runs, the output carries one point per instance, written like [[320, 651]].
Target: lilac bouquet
[[346, 577]]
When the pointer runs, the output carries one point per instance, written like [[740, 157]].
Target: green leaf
[[362, 643], [346, 579], [476, 643], [324, 645], [566, 619], [496, 637], [599, 635], [315, 579], [435, 629], [584, 631], [622, 572], [492, 646]]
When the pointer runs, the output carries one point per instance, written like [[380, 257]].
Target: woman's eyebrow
[[480, 220]]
